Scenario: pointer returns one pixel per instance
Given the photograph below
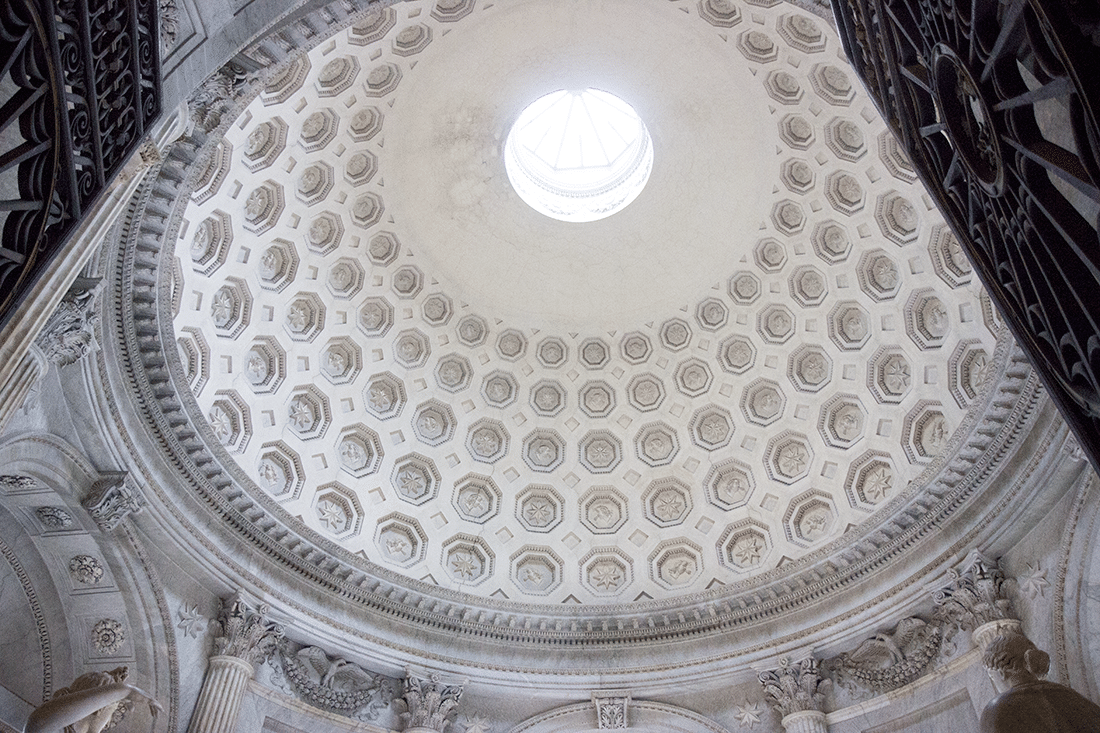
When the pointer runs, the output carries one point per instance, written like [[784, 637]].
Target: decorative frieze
[[887, 661]]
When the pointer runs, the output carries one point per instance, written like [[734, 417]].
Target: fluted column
[[244, 640], [805, 721], [797, 692], [222, 691]]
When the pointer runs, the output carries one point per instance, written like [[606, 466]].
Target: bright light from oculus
[[578, 156]]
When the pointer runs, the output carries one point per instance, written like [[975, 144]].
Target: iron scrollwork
[[996, 105], [85, 76]]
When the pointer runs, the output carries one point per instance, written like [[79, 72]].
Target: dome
[[749, 362]]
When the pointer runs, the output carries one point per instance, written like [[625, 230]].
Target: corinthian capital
[[795, 687], [245, 632], [976, 595], [427, 704]]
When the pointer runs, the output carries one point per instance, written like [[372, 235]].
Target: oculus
[[578, 156]]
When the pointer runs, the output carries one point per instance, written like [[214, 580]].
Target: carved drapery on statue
[[427, 704], [996, 103], [102, 60], [330, 683]]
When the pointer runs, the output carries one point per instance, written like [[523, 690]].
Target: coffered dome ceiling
[[771, 345]]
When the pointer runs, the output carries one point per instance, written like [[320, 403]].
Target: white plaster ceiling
[[777, 336]]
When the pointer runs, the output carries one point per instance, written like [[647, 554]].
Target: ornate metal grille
[[80, 82], [996, 104]]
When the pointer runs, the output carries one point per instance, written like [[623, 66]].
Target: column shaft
[[220, 699], [805, 721]]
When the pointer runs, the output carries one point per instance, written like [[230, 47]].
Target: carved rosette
[[426, 705]]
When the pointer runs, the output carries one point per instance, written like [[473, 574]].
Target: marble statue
[[1026, 703], [87, 705]]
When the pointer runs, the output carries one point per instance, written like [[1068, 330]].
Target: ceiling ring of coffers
[[653, 445]]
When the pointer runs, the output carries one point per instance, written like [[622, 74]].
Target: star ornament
[[748, 713], [1034, 581], [476, 724]]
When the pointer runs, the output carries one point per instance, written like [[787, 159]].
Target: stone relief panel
[[487, 441], [278, 265], [476, 498], [600, 451], [667, 502], [744, 546], [810, 518], [552, 352], [536, 570], [603, 510], [606, 571], [337, 510], [279, 471], [676, 563], [597, 399], [467, 559], [305, 317], [415, 479], [384, 396], [871, 480], [539, 508], [729, 484]]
